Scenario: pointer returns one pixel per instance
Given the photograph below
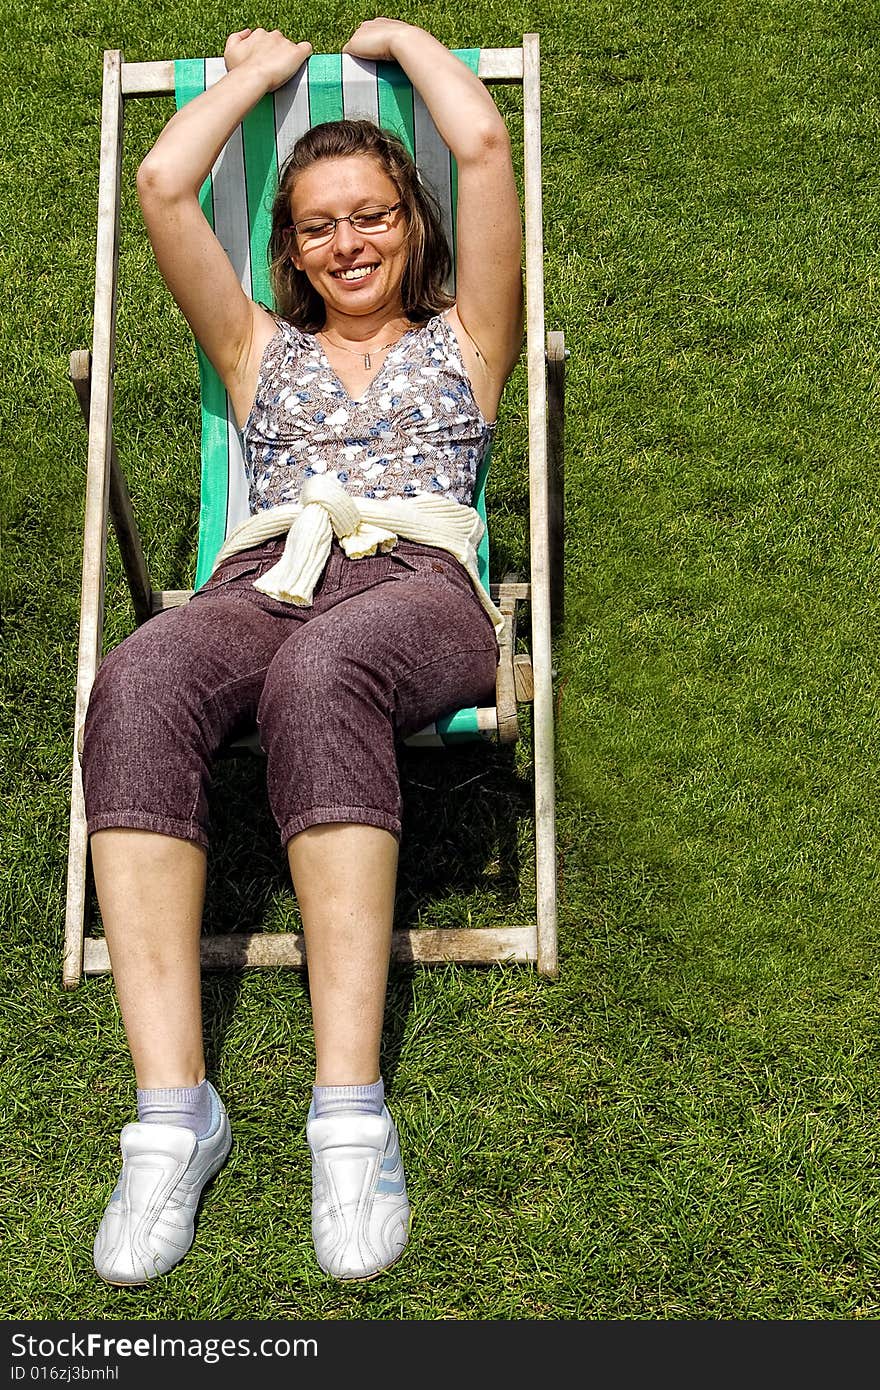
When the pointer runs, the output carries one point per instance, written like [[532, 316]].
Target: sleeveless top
[[416, 430]]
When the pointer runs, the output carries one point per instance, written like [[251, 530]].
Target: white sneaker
[[148, 1225], [360, 1211]]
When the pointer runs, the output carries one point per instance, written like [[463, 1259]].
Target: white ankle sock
[[189, 1106], [365, 1100]]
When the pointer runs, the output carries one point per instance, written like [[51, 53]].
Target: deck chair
[[235, 199]]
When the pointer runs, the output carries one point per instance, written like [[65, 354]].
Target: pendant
[[367, 362]]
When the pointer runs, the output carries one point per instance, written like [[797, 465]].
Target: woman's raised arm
[[488, 221], [191, 260]]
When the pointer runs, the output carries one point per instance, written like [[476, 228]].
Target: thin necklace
[[356, 352]]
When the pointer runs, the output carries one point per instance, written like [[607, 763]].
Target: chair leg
[[556, 358], [77, 873], [545, 852]]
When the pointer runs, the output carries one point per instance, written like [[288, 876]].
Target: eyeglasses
[[317, 230]]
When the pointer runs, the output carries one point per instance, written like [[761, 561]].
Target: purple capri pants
[[390, 643]]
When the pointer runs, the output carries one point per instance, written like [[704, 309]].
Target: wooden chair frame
[[521, 679]]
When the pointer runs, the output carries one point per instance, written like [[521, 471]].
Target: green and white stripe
[[237, 201]]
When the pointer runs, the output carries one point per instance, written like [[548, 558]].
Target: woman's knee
[[320, 677], [143, 745], [139, 687], [327, 729]]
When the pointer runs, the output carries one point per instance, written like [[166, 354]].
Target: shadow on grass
[[463, 811]]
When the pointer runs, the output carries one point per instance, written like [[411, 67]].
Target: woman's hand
[[375, 38], [275, 56]]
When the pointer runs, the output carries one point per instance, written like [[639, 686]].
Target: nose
[[348, 240]]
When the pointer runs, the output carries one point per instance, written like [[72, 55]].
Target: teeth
[[357, 273]]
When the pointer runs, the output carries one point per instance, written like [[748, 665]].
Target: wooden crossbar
[[416, 945], [157, 79]]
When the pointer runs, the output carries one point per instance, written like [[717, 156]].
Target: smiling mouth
[[354, 273]]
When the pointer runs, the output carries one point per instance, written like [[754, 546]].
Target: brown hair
[[429, 261]]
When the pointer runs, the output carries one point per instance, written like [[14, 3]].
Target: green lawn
[[682, 1125]]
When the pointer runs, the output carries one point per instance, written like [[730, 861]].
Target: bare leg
[[151, 891], [344, 877]]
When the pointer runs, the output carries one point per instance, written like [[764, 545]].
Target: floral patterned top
[[417, 428]]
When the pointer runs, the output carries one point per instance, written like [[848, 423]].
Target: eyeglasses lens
[[315, 231]]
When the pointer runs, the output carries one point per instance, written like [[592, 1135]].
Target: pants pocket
[[431, 563], [230, 571]]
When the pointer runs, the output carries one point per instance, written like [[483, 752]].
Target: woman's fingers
[[374, 38], [276, 56], [233, 51]]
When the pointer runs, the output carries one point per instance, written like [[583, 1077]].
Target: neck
[[367, 330]]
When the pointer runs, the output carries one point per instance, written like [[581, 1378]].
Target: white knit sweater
[[363, 526]]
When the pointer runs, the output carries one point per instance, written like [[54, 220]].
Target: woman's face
[[355, 272]]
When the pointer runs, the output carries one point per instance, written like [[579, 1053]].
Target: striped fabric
[[237, 201]]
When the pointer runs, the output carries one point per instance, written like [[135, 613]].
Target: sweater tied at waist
[[363, 526]]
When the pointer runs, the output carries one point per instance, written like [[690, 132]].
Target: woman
[[337, 650]]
